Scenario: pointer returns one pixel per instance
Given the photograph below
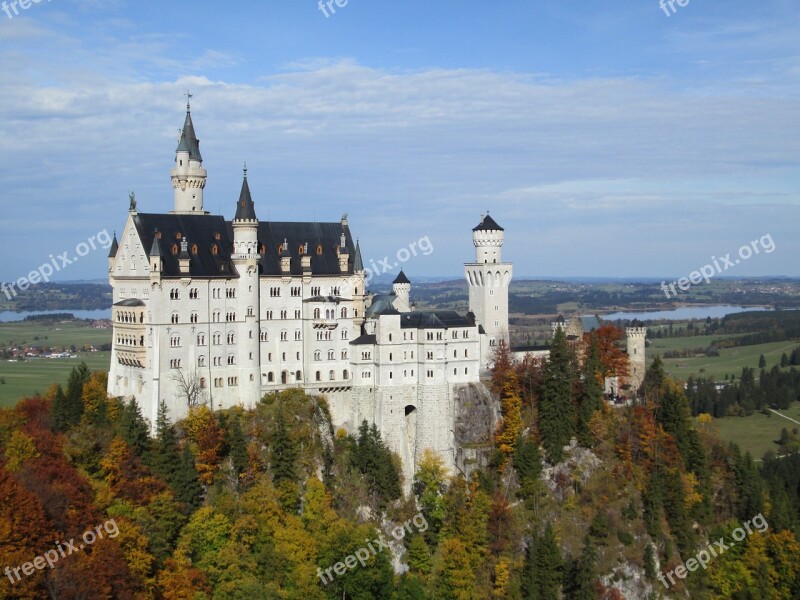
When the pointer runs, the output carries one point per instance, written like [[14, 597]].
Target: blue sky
[[608, 138]]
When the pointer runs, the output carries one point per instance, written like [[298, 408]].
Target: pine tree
[[133, 428], [591, 393], [187, 488], [557, 412], [581, 574], [528, 464], [165, 457], [237, 445], [283, 452], [68, 408], [762, 362], [542, 567]]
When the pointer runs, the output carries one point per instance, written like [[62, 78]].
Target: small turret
[[401, 287], [188, 175]]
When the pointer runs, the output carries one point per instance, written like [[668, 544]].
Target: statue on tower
[[132, 197]]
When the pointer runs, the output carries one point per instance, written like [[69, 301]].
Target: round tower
[[245, 258], [636, 355], [188, 175], [401, 287], [488, 279]]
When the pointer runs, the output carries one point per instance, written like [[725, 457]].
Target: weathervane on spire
[[245, 169], [189, 97]]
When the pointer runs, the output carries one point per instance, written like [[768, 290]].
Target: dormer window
[[319, 249], [174, 249], [262, 250], [300, 250], [194, 249], [214, 249], [178, 235], [216, 235]]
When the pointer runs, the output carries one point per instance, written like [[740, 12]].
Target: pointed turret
[[189, 142], [401, 287], [245, 208], [358, 264], [188, 175], [155, 249], [114, 247]]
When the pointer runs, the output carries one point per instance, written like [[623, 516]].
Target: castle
[[216, 312]]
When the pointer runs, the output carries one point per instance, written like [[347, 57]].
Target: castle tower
[[488, 279], [401, 287], [188, 176], [561, 323], [636, 355], [245, 258]]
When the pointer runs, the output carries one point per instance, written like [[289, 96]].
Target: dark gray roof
[[325, 236], [358, 264], [487, 224], [130, 302], [207, 234], [382, 304], [443, 319], [189, 142], [334, 299], [364, 339], [210, 232], [114, 247], [245, 209], [155, 247], [401, 278]]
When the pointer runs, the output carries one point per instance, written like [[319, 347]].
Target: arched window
[[298, 376], [316, 313], [201, 361], [344, 313], [330, 354], [332, 375], [346, 375], [271, 377], [319, 376]]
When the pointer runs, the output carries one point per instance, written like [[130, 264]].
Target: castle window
[[300, 249], [268, 315], [298, 376], [284, 314], [319, 249], [174, 249], [319, 376], [270, 377], [391, 375], [317, 355], [175, 318], [455, 355], [284, 335], [346, 375], [231, 338], [193, 318], [390, 357], [344, 334], [316, 313], [332, 375], [201, 339], [262, 249], [344, 314], [455, 371], [344, 354], [297, 313], [466, 371], [201, 361], [217, 339], [203, 383], [430, 355], [297, 335], [466, 353], [231, 359], [175, 341], [390, 337], [214, 249], [330, 354]]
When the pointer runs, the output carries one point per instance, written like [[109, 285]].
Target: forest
[[580, 500]]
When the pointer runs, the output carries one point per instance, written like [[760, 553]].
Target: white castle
[[209, 311]]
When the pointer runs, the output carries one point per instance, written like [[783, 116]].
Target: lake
[[684, 313], [8, 316]]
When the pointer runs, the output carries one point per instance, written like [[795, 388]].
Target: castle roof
[[487, 224], [114, 248], [211, 239], [245, 209], [358, 264], [401, 278], [189, 142], [441, 319]]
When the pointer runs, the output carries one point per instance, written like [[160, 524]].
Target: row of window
[[129, 340], [129, 317], [298, 376]]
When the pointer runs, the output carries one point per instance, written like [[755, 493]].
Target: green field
[[758, 432], [35, 375], [729, 362]]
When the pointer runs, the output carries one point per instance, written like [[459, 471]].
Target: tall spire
[[189, 142], [245, 209], [358, 264]]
